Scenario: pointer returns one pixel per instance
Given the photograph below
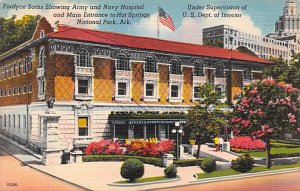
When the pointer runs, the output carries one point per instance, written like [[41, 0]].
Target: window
[[42, 33], [149, 89], [41, 87], [19, 68], [175, 91], [9, 122], [196, 91], [122, 88], [198, 69], [14, 70], [19, 121], [83, 126], [150, 65], [5, 124], [24, 89], [220, 71], [175, 67], [14, 121], [122, 63], [83, 58], [42, 58], [29, 88], [19, 90], [29, 64], [24, 122], [83, 86], [14, 90], [24, 67]]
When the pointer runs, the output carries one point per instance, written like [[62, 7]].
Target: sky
[[258, 17]]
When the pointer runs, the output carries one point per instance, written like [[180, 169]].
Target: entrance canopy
[[124, 118]]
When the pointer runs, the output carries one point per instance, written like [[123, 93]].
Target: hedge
[[278, 145], [187, 162], [146, 160], [285, 155]]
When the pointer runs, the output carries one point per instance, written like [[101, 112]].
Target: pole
[[157, 22], [177, 148]]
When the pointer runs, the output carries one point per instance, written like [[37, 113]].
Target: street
[[17, 176], [279, 182]]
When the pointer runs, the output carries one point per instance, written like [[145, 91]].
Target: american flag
[[165, 19]]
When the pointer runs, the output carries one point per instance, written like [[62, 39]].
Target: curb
[[143, 183], [248, 175]]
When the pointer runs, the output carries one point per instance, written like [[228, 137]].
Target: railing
[[31, 146]]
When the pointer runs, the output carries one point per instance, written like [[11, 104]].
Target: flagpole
[[157, 21]]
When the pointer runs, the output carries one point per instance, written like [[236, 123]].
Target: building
[[282, 43], [109, 85]]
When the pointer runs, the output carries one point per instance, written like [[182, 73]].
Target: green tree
[[245, 50], [14, 32], [267, 111], [217, 43], [206, 116], [278, 70]]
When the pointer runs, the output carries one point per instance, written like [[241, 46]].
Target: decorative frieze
[[123, 74], [221, 81], [176, 77], [84, 71]]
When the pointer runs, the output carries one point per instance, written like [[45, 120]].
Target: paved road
[[17, 176], [280, 182]]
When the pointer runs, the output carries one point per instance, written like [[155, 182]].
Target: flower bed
[[134, 148], [241, 144]]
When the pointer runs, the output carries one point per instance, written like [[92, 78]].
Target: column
[[51, 147]]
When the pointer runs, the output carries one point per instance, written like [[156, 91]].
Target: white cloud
[[49, 14], [190, 29]]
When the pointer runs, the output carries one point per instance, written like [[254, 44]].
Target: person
[[221, 141], [216, 142]]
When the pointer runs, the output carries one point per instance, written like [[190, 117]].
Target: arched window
[[198, 69], [175, 67], [219, 71], [150, 65], [123, 63], [41, 58], [83, 58]]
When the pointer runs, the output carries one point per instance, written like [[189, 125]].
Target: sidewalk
[[96, 175], [223, 155]]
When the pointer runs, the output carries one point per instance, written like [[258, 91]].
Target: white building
[[278, 44]]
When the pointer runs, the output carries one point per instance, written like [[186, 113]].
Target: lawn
[[148, 179], [230, 171], [280, 150]]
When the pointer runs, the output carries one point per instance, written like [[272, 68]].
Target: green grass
[[148, 179], [227, 172], [281, 150]]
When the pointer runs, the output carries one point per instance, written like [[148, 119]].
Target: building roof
[[117, 39]]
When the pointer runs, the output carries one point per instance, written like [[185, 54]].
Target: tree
[[14, 32], [216, 43], [267, 110], [206, 116], [281, 71]]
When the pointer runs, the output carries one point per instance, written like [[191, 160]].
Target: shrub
[[103, 147], [171, 171], [132, 169], [208, 165], [246, 143], [188, 162], [145, 160], [243, 163]]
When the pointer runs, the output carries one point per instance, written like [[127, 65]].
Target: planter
[[192, 142]]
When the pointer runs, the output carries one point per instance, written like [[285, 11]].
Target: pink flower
[[269, 81], [292, 118]]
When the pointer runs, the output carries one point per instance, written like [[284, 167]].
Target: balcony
[[40, 72], [176, 77], [151, 76], [123, 74], [221, 81], [84, 71], [199, 79]]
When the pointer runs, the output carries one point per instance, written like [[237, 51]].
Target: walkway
[[227, 157]]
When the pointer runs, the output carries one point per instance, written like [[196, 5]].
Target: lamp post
[[178, 131]]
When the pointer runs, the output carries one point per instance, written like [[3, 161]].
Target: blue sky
[[259, 17]]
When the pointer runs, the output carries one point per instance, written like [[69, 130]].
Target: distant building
[[278, 44]]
